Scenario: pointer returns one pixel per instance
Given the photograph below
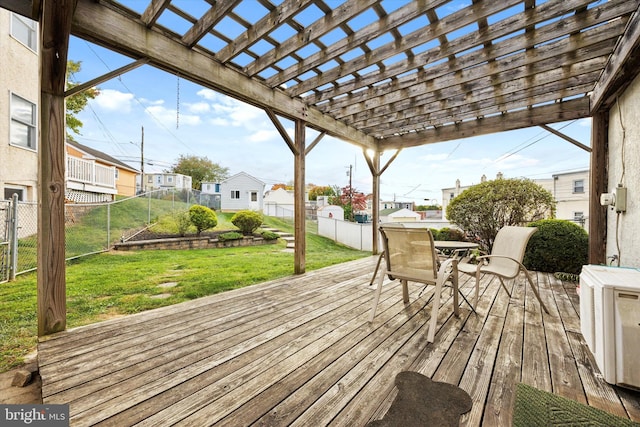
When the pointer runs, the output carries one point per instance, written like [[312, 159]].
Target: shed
[[398, 215]]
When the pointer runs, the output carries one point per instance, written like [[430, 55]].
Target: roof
[[384, 74], [387, 212], [239, 174], [102, 156]]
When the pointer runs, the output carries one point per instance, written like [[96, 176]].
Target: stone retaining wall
[[190, 243]]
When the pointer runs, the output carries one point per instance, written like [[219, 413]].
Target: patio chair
[[505, 260], [409, 255]]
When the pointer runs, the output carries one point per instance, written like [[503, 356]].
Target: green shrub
[[229, 235], [483, 209], [449, 234], [558, 246], [183, 222], [247, 221], [202, 218], [269, 235]]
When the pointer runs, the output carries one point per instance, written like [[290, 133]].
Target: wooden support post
[[598, 185], [55, 27], [374, 166], [299, 196], [375, 205]]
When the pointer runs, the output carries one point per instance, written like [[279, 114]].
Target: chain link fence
[[89, 228]]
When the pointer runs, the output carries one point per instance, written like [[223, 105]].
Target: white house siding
[[628, 233], [279, 203], [19, 75], [242, 185], [570, 200]]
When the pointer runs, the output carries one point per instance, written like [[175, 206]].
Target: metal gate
[[5, 227]]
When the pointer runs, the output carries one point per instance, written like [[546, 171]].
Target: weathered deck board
[[300, 351]]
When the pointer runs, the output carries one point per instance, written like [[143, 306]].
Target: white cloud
[[169, 117], [219, 121], [198, 107], [264, 135], [113, 100], [228, 111]]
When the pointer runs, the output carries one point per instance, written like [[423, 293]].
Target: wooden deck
[[299, 351]]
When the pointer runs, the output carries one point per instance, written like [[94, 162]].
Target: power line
[[158, 122], [507, 155]]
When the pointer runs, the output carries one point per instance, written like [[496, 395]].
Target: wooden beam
[[55, 28], [395, 19], [479, 67], [282, 13], [28, 9], [314, 143], [105, 77], [153, 11], [299, 200], [553, 113], [208, 21], [129, 37], [598, 177], [566, 138], [391, 160], [622, 68], [551, 92], [341, 14], [472, 88], [281, 130], [421, 36], [544, 12]]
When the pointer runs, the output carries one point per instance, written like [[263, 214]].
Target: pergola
[[384, 75]]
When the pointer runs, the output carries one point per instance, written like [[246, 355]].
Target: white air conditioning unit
[[610, 321]]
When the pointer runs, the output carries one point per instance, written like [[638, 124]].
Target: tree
[[317, 190], [350, 199], [76, 103], [199, 169], [281, 185], [485, 208]]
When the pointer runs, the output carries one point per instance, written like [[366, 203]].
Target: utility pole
[[142, 161]]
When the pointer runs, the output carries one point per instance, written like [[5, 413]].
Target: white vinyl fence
[[359, 236]]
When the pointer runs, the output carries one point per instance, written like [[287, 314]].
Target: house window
[[451, 196], [578, 216], [23, 123], [159, 179], [9, 192], [150, 179], [25, 31], [235, 194], [578, 186], [117, 173], [254, 196], [169, 179]]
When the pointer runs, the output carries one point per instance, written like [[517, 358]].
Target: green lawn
[[119, 283]]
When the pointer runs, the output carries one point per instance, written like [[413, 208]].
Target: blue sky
[[180, 117]]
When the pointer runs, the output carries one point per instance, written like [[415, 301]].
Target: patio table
[[454, 248]]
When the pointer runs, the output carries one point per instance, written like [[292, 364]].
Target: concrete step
[[287, 237]]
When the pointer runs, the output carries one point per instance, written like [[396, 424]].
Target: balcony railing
[[91, 173]]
